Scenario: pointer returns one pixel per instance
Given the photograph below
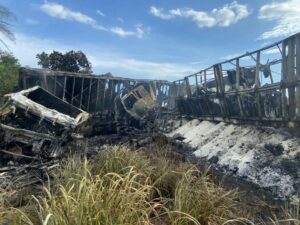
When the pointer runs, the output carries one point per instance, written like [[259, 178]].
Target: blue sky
[[149, 38]]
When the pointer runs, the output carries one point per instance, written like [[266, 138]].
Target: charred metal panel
[[263, 85], [88, 92]]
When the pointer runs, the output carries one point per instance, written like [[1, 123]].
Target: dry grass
[[109, 199], [291, 215], [197, 196], [122, 187]]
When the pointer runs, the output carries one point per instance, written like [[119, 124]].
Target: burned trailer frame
[[269, 94], [91, 93]]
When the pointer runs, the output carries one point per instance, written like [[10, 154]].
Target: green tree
[[56, 61], [71, 61], [43, 60], [9, 73], [5, 17]]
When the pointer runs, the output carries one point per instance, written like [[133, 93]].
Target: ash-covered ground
[[268, 157]]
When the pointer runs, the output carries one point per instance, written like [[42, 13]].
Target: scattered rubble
[[18, 177]]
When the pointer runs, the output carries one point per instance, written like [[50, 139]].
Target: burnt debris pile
[[37, 129], [36, 123]]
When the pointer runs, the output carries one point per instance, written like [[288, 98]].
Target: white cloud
[[144, 69], [158, 12], [61, 12], [121, 32], [139, 31], [224, 17], [99, 12], [103, 61], [31, 22], [286, 14]]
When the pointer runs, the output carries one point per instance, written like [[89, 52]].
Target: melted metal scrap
[[34, 122]]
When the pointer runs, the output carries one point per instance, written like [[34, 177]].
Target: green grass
[[124, 187]]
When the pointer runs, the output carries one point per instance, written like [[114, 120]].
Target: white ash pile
[[266, 156]]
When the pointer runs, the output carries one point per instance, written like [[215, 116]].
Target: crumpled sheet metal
[[20, 100]]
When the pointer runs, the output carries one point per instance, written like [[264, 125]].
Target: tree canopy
[[9, 73], [71, 61]]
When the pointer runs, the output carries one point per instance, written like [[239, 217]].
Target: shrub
[[9, 73]]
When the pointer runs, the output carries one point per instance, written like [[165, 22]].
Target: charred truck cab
[[140, 100]]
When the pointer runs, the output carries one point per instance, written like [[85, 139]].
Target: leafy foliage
[[5, 16], [71, 61], [9, 72], [43, 60]]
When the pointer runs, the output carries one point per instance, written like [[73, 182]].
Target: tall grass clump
[[167, 169], [291, 214], [106, 198], [198, 196], [114, 189], [110, 199], [118, 158], [3, 207]]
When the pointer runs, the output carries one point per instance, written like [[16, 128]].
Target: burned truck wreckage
[[54, 108], [34, 123], [260, 86]]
